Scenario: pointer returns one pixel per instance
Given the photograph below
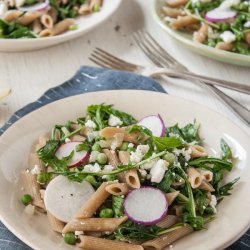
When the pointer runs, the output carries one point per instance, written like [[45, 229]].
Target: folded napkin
[[88, 79]]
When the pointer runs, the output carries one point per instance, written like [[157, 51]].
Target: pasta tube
[[56, 225], [117, 188]]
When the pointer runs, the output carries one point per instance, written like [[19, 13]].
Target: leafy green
[[200, 200], [164, 143], [83, 146], [13, 30], [224, 190], [100, 115], [226, 150], [48, 151], [197, 222], [166, 182], [138, 128], [117, 205], [188, 133]]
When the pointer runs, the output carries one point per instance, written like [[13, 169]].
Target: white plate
[[85, 24], [186, 39], [233, 216]]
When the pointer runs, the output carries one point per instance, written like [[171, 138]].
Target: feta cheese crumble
[[158, 170], [140, 151], [114, 121], [227, 36], [35, 170], [92, 168], [93, 156], [247, 24], [213, 203], [90, 124]]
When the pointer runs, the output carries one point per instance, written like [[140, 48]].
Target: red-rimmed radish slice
[[36, 7], [146, 205], [63, 198], [154, 123], [218, 15], [78, 158]]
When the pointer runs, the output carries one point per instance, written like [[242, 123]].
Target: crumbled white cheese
[[158, 170], [92, 168], [77, 233], [213, 203], [67, 140], [90, 124], [3, 8], [149, 164], [114, 121], [143, 172], [92, 135], [35, 170], [247, 24], [227, 4], [93, 156], [108, 168], [130, 145], [140, 151], [227, 36], [185, 152]]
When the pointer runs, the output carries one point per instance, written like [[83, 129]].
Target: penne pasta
[[176, 3], [95, 201], [53, 14], [197, 151], [28, 18], [171, 196], [183, 21], [33, 188], [200, 36], [56, 225], [224, 46], [131, 176], [12, 15], [46, 33], [247, 38], [172, 12], [168, 221], [178, 210], [194, 177], [84, 9], [167, 239], [206, 174], [94, 224], [117, 141], [92, 243], [77, 138], [37, 26], [117, 188], [112, 157], [62, 26], [47, 21], [206, 186]]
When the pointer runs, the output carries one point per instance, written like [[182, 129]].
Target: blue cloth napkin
[[89, 79]]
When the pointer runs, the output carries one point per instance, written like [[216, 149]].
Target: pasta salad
[[42, 18], [222, 24], [107, 181]]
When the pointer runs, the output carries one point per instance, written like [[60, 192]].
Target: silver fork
[[160, 57], [107, 60]]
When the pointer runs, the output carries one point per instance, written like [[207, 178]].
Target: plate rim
[[10, 225]]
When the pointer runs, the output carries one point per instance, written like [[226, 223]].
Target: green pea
[[26, 199], [91, 179], [124, 146], [111, 177], [102, 158], [96, 147], [169, 157], [42, 178], [106, 213], [70, 238]]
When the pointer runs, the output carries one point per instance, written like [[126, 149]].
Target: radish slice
[[217, 15], [36, 7], [154, 123], [63, 198], [146, 205], [78, 158]]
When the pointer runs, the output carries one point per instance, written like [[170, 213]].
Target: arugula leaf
[[224, 190], [117, 205], [138, 128], [48, 151], [166, 182], [83, 146], [217, 164], [200, 200], [226, 150], [163, 143], [197, 222], [189, 133], [101, 113]]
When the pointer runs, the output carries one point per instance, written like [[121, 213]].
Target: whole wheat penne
[[224, 46], [134, 137], [167, 239], [206, 186], [33, 188], [28, 17], [11, 3], [172, 12], [197, 151], [95, 201], [94, 224], [112, 157], [176, 3], [171, 197], [56, 225], [168, 221], [117, 141], [117, 188], [207, 175], [201, 35], [46, 33], [12, 15], [37, 26], [194, 177], [84, 9], [62, 26], [178, 210], [47, 21], [92, 243], [183, 21], [247, 38], [131, 176], [53, 13], [77, 138], [42, 192]]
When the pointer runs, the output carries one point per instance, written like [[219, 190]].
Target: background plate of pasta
[[35, 24], [106, 175], [216, 29]]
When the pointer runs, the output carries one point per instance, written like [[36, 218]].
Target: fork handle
[[209, 80]]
